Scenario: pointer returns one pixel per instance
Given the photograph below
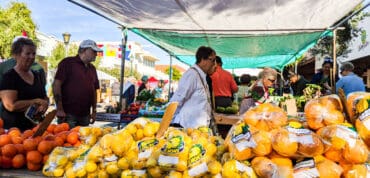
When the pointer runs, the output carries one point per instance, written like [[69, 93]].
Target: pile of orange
[[19, 149]]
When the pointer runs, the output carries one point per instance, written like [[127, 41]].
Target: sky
[[55, 17]]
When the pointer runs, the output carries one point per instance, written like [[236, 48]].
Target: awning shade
[[252, 33]]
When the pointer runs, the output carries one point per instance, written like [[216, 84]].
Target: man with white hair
[[350, 82]]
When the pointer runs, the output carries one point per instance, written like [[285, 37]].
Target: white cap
[[90, 44], [18, 37]]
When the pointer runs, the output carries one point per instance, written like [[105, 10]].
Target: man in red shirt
[[224, 85]]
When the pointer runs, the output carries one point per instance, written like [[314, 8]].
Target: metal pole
[[170, 79], [334, 61], [123, 56]]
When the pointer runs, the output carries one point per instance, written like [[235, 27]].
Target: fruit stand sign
[[108, 117]]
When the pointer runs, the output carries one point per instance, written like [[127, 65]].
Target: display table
[[226, 119], [20, 173]]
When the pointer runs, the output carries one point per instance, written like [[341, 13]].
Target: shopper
[[22, 87], [224, 85], [194, 109], [298, 83], [75, 86], [350, 82]]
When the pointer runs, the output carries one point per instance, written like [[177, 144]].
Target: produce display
[[233, 109], [265, 143]]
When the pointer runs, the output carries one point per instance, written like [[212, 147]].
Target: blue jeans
[[74, 121]]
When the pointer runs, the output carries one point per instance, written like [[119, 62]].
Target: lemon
[[81, 173], [151, 162], [58, 172], [103, 174], [181, 166], [63, 160], [175, 174], [214, 167], [85, 131], [229, 168], [139, 134], [131, 129], [96, 131], [211, 149], [90, 167], [70, 173], [149, 130], [337, 143], [112, 168], [155, 172], [123, 163]]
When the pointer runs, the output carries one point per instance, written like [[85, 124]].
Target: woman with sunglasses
[[259, 92]]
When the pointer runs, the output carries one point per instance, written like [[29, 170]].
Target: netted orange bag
[[342, 140], [295, 141], [266, 117], [352, 99], [264, 167], [324, 111], [360, 109], [246, 141], [317, 167]]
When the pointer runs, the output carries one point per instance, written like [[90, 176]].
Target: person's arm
[[57, 91], [234, 86], [9, 99], [93, 104]]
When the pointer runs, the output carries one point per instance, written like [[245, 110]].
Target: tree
[[343, 37], [59, 53], [176, 75], [13, 21], [116, 72]]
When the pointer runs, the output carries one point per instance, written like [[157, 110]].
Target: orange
[[30, 144], [45, 147], [49, 137], [66, 144], [77, 144], [14, 132], [334, 155], [17, 139], [35, 128], [65, 126], [58, 129], [9, 150], [33, 167], [18, 161], [356, 153], [20, 148], [63, 135], [27, 134], [5, 139], [6, 162], [34, 157], [72, 138], [2, 131], [50, 128], [45, 158], [1, 123], [59, 141], [76, 129]]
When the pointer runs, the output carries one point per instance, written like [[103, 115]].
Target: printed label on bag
[[242, 137], [305, 169], [196, 153]]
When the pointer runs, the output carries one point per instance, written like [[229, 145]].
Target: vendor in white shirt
[[194, 109]]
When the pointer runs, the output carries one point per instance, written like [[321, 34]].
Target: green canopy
[[237, 51]]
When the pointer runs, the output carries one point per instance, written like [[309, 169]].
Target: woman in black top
[[21, 87]]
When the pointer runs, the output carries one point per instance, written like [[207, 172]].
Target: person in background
[[350, 82], [75, 86], [129, 91], [194, 108], [298, 83], [22, 87], [158, 91], [322, 78], [224, 85], [143, 85], [10, 63], [245, 81], [259, 92]]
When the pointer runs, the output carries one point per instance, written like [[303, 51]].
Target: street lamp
[[66, 38]]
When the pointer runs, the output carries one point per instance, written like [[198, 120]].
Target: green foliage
[[343, 37], [59, 53], [176, 75], [13, 20]]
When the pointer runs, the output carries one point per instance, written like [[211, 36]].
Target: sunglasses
[[271, 80]]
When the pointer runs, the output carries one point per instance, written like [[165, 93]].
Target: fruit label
[[174, 145], [300, 135], [365, 118], [138, 172], [198, 170], [347, 133], [145, 148], [205, 129], [111, 158], [196, 153], [243, 168], [242, 137], [167, 161], [305, 169]]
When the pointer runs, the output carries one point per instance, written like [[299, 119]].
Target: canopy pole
[[123, 56], [332, 79], [170, 79]]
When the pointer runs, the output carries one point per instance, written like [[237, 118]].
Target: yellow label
[[196, 153], [147, 144]]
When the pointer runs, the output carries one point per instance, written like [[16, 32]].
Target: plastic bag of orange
[[266, 117], [343, 141], [324, 111], [295, 141]]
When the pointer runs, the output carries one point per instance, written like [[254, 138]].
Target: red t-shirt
[[79, 82], [223, 83]]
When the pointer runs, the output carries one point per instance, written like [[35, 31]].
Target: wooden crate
[[226, 119]]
